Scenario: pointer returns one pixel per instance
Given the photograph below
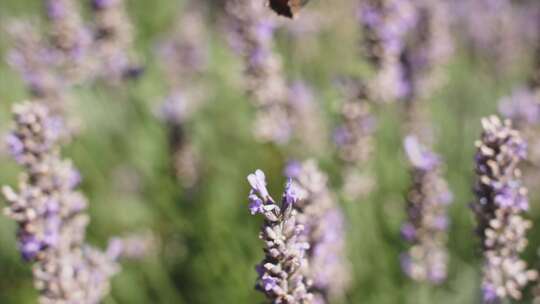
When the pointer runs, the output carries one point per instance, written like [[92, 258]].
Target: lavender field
[[254, 151]]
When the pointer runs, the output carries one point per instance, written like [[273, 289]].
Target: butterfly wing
[[287, 8]]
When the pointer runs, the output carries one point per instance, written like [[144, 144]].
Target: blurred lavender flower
[[320, 214], [184, 55], [134, 246], [309, 127], [36, 63], [427, 223], [501, 200], [499, 30], [354, 139], [184, 52], [522, 106], [385, 25], [113, 40], [70, 37], [50, 214], [251, 30], [280, 275], [427, 50]]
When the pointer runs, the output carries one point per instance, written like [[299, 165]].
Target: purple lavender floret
[[419, 156], [501, 200], [427, 220], [280, 275], [293, 169]]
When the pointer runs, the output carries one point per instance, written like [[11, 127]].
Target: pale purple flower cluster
[[385, 25], [501, 200], [280, 275], [502, 31], [522, 106], [184, 51], [184, 59], [52, 60], [70, 37], [251, 31], [427, 220], [354, 139], [113, 41], [134, 246], [320, 214], [36, 62], [50, 214], [309, 127], [428, 49]]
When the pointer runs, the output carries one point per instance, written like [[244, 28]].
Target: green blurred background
[[208, 241]]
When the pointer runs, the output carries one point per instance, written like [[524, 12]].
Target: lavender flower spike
[[70, 38], [50, 214], [501, 200], [279, 274], [385, 24], [354, 139], [427, 223], [251, 33], [184, 60], [319, 212], [114, 36], [35, 62]]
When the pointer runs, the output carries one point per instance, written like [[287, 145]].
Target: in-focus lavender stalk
[[427, 219], [51, 214], [385, 25], [499, 207], [184, 59], [70, 37], [113, 40], [354, 140], [251, 31], [324, 230], [280, 274]]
